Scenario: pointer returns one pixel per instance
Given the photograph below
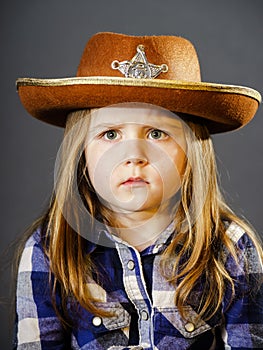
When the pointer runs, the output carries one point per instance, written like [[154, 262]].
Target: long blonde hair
[[200, 228], [204, 241]]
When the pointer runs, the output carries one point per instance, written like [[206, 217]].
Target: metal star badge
[[139, 67]]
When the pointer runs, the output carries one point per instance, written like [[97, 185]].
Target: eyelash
[[104, 134], [107, 132], [163, 134]]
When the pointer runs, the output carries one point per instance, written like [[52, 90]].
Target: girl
[[138, 249]]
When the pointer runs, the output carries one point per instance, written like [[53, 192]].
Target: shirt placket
[[135, 288]]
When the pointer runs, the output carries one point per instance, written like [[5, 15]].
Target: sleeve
[[243, 328], [37, 326]]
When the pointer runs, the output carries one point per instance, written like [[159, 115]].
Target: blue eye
[[156, 134], [110, 135]]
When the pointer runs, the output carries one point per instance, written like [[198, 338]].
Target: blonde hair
[[200, 228], [204, 240]]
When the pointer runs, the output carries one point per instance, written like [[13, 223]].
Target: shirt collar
[[162, 241], [103, 237]]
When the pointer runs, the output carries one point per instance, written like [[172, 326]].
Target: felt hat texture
[[160, 70]]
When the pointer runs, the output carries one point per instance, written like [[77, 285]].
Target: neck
[[141, 229]]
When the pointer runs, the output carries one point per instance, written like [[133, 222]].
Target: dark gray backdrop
[[46, 38]]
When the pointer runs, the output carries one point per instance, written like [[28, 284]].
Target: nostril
[[142, 161], [136, 161]]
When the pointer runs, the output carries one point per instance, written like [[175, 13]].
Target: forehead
[[134, 113]]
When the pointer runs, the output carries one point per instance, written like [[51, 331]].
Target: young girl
[[138, 249]]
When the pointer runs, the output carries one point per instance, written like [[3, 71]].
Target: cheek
[[171, 170], [89, 163], [177, 150], [101, 163], [92, 155], [179, 159]]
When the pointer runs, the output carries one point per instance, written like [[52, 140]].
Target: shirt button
[[189, 327], [144, 315], [159, 246], [131, 265], [96, 321]]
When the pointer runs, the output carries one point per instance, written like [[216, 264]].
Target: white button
[[158, 246], [96, 321], [131, 265], [144, 315], [189, 327]]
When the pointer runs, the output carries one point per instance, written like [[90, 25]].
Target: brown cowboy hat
[[160, 70]]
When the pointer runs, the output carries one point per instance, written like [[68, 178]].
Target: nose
[[135, 152], [136, 160]]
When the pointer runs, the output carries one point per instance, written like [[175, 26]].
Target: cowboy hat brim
[[221, 107]]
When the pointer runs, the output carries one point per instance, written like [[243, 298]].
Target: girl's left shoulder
[[248, 249], [238, 235]]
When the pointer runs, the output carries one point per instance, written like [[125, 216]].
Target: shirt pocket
[[168, 321], [118, 319]]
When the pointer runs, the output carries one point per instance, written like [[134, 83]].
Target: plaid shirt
[[145, 316]]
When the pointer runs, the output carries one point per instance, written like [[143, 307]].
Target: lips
[[135, 181]]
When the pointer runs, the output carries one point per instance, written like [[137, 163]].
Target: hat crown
[[160, 70], [175, 52]]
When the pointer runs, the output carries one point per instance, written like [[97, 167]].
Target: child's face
[[135, 156]]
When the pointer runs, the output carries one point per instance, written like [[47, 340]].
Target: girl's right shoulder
[[35, 238], [33, 257]]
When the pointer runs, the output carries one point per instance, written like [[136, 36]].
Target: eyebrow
[[155, 125], [105, 126]]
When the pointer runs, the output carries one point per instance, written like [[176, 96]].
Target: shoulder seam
[[235, 232]]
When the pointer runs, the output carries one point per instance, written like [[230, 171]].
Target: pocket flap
[[119, 319], [169, 321]]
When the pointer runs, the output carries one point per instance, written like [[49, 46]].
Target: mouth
[[135, 181]]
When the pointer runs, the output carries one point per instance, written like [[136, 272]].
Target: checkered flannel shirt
[[142, 301]]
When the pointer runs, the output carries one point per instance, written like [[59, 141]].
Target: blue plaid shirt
[[142, 301]]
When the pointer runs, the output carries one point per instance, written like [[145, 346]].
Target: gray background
[[46, 38]]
